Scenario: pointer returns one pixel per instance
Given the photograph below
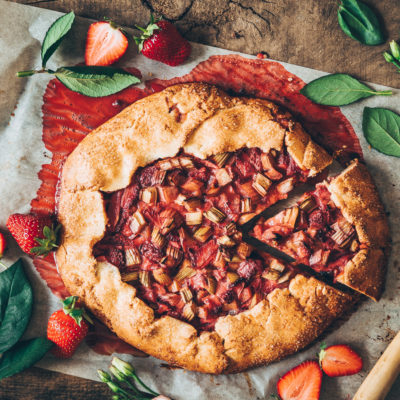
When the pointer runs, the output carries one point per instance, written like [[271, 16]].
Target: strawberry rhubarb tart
[[153, 205]]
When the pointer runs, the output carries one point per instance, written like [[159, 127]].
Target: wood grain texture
[[300, 32]]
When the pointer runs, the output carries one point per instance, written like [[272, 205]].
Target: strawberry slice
[[339, 360], [301, 383], [105, 43], [3, 244]]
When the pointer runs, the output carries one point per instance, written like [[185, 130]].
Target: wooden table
[[300, 32]]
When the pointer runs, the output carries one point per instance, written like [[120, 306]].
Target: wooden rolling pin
[[381, 378]]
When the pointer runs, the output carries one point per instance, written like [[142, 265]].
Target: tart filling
[[173, 232], [314, 232]]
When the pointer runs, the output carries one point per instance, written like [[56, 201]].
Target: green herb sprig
[[339, 90], [93, 81], [359, 22], [393, 56], [15, 312], [126, 384]]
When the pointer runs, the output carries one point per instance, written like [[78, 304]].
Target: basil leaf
[[381, 128], [15, 305], [55, 35], [358, 21], [23, 355], [338, 90], [95, 81]]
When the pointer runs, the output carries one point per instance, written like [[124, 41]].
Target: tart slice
[[339, 229]]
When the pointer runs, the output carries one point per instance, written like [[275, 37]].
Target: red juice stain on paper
[[68, 117]]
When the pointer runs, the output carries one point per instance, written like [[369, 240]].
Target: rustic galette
[[153, 202]]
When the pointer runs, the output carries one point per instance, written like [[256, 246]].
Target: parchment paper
[[22, 153]]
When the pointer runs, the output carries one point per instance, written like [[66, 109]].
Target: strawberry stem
[[77, 313]]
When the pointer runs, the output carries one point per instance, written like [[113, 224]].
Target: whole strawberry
[[33, 233], [161, 41], [67, 328]]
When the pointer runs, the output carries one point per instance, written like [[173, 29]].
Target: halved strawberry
[[105, 43], [339, 360], [301, 383], [3, 244]]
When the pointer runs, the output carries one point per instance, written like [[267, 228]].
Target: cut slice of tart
[[339, 229], [150, 205]]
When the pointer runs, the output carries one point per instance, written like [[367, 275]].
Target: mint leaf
[[15, 305], [23, 355], [338, 90], [358, 21], [381, 128], [55, 35], [95, 81]]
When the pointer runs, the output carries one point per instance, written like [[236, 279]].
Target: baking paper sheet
[[22, 154]]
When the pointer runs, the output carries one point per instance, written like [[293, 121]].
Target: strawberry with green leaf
[[161, 41], [68, 327], [33, 233]]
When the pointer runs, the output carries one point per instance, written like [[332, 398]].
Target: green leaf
[[15, 305], [55, 35], [23, 355], [358, 21], [381, 128], [338, 90], [95, 81]]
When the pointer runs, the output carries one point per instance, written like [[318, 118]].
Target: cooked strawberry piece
[[198, 282], [151, 252], [224, 291], [115, 257], [129, 196], [213, 304], [276, 233], [168, 193], [244, 168], [201, 174], [340, 360], [301, 383], [246, 190], [193, 186], [150, 176], [249, 268], [245, 296], [172, 299], [269, 168], [317, 219]]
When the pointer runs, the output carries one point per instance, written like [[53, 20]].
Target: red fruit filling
[[314, 232], [173, 232]]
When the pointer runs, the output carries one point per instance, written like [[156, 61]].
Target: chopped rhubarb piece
[[245, 205], [230, 228], [149, 195], [232, 277], [114, 209], [175, 177], [175, 286], [186, 162], [132, 257], [157, 238], [193, 186], [215, 215], [269, 169], [277, 265], [137, 222], [168, 194], [180, 199], [211, 285], [168, 164], [144, 277], [186, 271], [161, 277], [223, 177], [221, 159], [246, 190], [226, 241], [231, 308], [354, 246], [320, 257], [169, 219], [255, 300], [261, 184], [246, 218], [174, 252], [186, 294], [285, 277], [244, 250], [308, 204], [290, 216], [192, 204], [219, 261], [189, 311], [271, 275], [203, 233], [194, 218], [285, 186], [343, 233], [130, 276]]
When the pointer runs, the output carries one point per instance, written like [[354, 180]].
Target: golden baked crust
[[203, 121], [355, 193]]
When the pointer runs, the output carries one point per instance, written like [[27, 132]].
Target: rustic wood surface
[[300, 32]]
